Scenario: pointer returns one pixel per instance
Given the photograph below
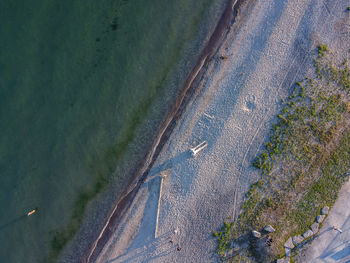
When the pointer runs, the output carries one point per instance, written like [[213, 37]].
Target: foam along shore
[[185, 197]]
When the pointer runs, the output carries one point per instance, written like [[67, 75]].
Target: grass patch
[[303, 164]]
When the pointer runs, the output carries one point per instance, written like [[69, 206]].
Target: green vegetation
[[303, 164]]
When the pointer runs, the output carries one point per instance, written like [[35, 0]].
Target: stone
[[256, 234], [297, 239], [289, 243], [269, 229], [320, 218], [314, 227], [287, 251], [325, 210], [307, 234]]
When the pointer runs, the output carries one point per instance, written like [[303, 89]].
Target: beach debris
[[159, 203], [307, 234], [208, 116], [314, 227], [176, 231], [32, 211], [320, 218], [297, 239], [163, 175], [178, 248], [325, 210], [198, 148], [289, 243], [269, 241], [337, 229], [256, 234], [269, 229], [223, 57], [287, 251]]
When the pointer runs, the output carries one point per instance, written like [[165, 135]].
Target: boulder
[[289, 243], [325, 210], [320, 218], [297, 239], [307, 234], [314, 227], [269, 229], [256, 234]]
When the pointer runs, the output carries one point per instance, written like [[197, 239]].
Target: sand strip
[[166, 129]]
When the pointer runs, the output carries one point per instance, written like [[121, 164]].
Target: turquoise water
[[80, 82]]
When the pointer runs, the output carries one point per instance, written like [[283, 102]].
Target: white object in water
[[198, 148]]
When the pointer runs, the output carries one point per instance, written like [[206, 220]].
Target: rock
[[307, 234], [256, 234], [287, 251], [297, 239], [289, 243], [314, 227], [325, 210], [320, 218], [269, 229]]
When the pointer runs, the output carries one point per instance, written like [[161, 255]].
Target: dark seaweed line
[[166, 129]]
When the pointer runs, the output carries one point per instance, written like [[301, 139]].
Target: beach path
[[331, 245]]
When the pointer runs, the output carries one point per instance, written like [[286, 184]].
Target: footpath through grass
[[303, 165]]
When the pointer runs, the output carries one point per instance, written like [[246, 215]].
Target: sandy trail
[[270, 47], [330, 245]]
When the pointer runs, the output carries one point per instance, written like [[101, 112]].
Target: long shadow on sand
[[140, 250], [170, 163]]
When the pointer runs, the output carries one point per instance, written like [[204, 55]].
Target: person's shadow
[[170, 163]]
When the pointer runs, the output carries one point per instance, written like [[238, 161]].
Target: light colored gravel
[[272, 49]]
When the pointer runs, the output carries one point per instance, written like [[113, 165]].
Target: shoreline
[[185, 198], [165, 130]]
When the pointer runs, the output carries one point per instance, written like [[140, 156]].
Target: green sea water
[[83, 87]]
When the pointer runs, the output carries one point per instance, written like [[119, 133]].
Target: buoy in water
[[32, 212]]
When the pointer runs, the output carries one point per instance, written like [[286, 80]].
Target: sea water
[[78, 80]]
